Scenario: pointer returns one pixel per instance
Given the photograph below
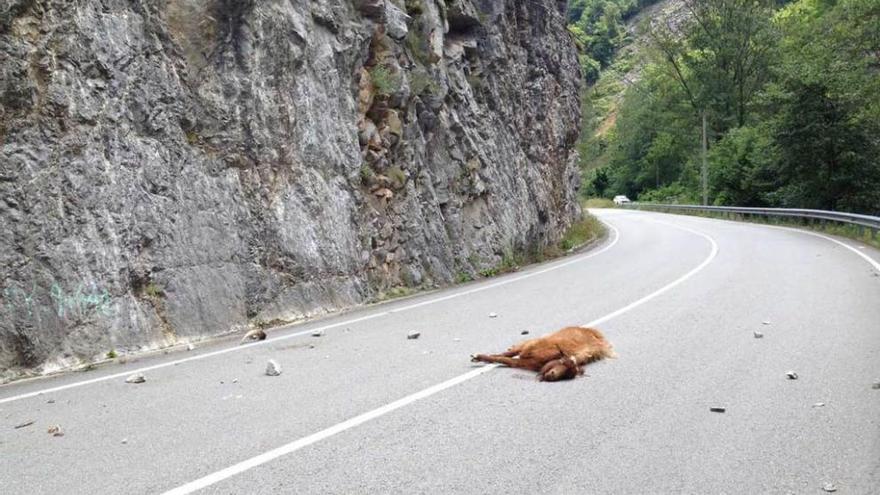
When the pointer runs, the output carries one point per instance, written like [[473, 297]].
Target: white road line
[[677, 281], [273, 340], [291, 447], [867, 258], [874, 263]]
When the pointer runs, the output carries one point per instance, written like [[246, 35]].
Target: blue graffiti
[[77, 303]]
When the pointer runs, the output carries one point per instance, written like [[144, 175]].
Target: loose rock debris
[[55, 431], [273, 368], [876, 385], [124, 441], [819, 404], [765, 322], [136, 378], [524, 332], [829, 487], [253, 336], [25, 424], [791, 375], [413, 335], [493, 315], [718, 409], [318, 333], [190, 347], [758, 335]]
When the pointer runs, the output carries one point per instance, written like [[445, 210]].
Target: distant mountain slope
[[602, 100]]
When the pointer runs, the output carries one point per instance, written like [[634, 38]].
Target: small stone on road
[[791, 375], [718, 409], [829, 487], [254, 335], [273, 368], [318, 333], [759, 335], [413, 335], [493, 315], [136, 378]]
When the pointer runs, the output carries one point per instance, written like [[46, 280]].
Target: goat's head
[[559, 369]]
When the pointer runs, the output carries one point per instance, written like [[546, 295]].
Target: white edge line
[[274, 340], [291, 447], [867, 258], [874, 263], [668, 287]]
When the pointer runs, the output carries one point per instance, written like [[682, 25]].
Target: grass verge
[[598, 203]]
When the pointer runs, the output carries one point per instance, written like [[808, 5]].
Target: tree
[[721, 56]]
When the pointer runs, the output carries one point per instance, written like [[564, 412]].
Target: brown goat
[[557, 356]]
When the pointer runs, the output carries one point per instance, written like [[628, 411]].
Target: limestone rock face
[[175, 169]]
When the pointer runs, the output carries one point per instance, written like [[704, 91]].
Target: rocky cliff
[[175, 169]]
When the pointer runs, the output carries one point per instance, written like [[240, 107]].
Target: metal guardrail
[[868, 221]]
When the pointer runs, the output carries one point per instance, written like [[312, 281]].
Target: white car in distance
[[621, 200]]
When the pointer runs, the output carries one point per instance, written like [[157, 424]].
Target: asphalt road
[[364, 410]]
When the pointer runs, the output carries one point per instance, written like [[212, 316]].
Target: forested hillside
[[791, 96], [599, 28]]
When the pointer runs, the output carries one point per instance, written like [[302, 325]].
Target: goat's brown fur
[[557, 356]]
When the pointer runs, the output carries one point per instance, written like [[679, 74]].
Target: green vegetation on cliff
[[599, 28]]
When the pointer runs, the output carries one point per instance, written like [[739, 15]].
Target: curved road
[[367, 411]]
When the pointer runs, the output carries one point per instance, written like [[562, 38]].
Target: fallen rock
[[124, 441], [876, 386], [456, 339], [395, 22], [718, 409], [524, 332], [136, 378], [253, 336], [235, 380], [55, 431], [50, 401], [765, 322], [758, 335], [273, 368], [190, 347], [829, 487], [493, 315], [791, 375], [318, 333], [819, 404], [25, 424], [413, 335]]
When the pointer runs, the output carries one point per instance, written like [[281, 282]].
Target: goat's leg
[[529, 364]]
